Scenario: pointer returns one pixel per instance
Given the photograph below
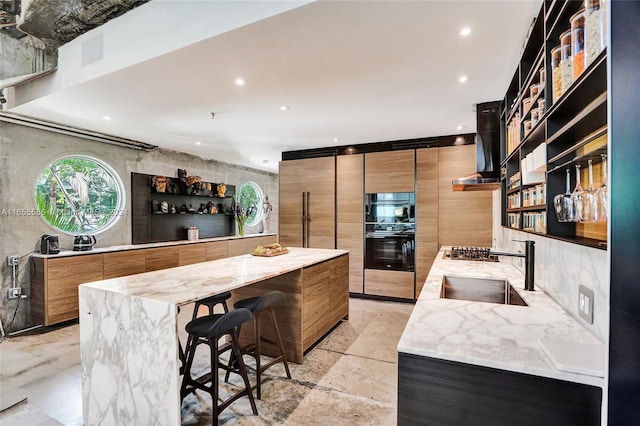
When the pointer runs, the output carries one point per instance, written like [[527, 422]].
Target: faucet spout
[[529, 262]]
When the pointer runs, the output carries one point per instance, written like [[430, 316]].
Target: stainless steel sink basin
[[480, 290]]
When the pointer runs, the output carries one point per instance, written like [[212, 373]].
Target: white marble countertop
[[491, 335], [125, 247], [185, 284]]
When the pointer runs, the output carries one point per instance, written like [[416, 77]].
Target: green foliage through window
[[250, 195], [79, 195]]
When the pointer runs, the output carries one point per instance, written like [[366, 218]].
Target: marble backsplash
[[561, 268]]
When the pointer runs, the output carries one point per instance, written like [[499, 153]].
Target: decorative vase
[[240, 228]]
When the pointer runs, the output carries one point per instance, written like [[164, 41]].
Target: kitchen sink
[[480, 290]]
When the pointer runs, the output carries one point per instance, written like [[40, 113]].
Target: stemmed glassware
[[564, 204], [577, 196], [589, 201], [602, 194]]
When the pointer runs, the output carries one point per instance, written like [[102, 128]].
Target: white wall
[[560, 268]]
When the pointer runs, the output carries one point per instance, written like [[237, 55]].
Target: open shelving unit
[[570, 131]]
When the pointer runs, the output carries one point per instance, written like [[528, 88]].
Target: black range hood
[[487, 175]]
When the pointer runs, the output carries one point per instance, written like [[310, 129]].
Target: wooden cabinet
[[54, 286], [399, 284], [161, 258], [427, 201], [119, 264], [350, 215], [389, 171], [464, 218], [570, 130], [54, 290], [307, 203], [317, 298], [215, 250], [191, 253]]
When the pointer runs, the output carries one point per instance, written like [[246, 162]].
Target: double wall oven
[[390, 228]]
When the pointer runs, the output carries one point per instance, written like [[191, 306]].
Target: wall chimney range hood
[[487, 176]]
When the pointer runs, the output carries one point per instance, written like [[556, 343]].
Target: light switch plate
[[585, 304]]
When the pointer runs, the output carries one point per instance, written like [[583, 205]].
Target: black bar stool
[[210, 302], [259, 306], [208, 330]]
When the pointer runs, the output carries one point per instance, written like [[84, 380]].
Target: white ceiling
[[358, 71]]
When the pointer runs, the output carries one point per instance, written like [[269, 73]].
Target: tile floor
[[349, 378]]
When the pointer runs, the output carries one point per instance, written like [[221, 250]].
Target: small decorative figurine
[[183, 209], [164, 207], [212, 208], [190, 209], [159, 183], [202, 209], [182, 175], [221, 188], [173, 209]]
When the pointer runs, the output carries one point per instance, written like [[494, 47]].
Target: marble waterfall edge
[[113, 358]]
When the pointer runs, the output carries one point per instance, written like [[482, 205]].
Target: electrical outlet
[[14, 293], [585, 304], [13, 260]]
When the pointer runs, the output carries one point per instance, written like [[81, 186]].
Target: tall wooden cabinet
[[426, 212], [307, 202], [389, 171], [350, 215]]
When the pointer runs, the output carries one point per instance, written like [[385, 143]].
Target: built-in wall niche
[[167, 215]]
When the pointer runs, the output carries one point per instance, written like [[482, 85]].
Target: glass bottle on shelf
[[595, 34], [577, 44], [577, 196], [556, 73], [565, 60], [602, 193]]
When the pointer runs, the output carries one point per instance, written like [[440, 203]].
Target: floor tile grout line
[[358, 356]]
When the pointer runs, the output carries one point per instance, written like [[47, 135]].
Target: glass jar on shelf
[[542, 78], [526, 105], [565, 60], [595, 33], [577, 44], [556, 73], [541, 106], [533, 90]]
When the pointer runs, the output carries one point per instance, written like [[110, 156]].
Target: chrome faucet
[[529, 258]]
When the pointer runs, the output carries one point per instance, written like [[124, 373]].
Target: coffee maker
[[49, 244], [84, 242]]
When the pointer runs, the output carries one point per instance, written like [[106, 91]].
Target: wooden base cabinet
[[317, 298], [54, 286]]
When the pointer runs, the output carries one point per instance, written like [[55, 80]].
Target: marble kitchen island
[[463, 362], [129, 331]]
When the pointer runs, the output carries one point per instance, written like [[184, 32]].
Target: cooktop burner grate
[[480, 254]]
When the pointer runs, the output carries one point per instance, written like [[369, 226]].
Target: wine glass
[[577, 196], [564, 204], [602, 193], [590, 208]]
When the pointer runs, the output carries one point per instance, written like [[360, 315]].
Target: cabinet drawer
[[124, 263], [389, 283], [237, 247], [215, 250], [189, 254], [161, 258]]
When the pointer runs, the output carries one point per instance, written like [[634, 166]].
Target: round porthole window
[[79, 195], [250, 194]]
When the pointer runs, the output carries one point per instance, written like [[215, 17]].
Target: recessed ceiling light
[[463, 79], [240, 82], [336, 140], [198, 143], [252, 158], [284, 108], [465, 31], [106, 118], [460, 127]]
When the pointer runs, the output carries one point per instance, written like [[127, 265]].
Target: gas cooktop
[[479, 254]]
